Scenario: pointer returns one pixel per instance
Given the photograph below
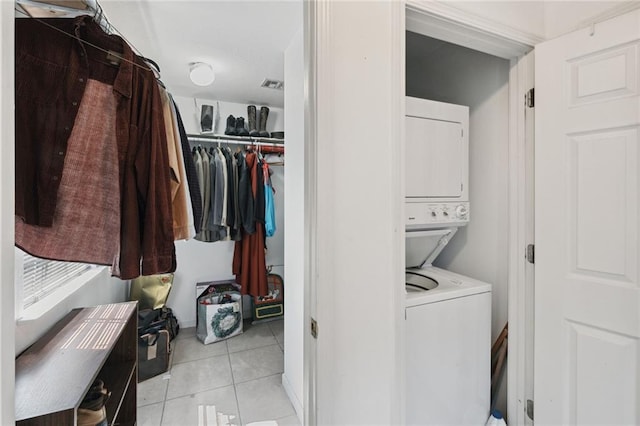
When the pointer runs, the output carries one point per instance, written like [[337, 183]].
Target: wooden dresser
[[55, 373]]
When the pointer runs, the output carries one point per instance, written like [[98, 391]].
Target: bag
[[219, 313], [150, 320], [271, 306], [154, 351], [151, 291]]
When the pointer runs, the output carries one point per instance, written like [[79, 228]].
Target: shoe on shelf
[[231, 126], [240, 129], [251, 119], [262, 123], [92, 410]]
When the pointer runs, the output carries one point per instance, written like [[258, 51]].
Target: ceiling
[[244, 41]]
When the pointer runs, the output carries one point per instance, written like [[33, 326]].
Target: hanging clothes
[[206, 160], [55, 75], [270, 208], [190, 169], [216, 214], [197, 160], [183, 228], [249, 263], [245, 198]]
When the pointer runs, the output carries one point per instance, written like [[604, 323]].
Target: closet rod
[[237, 140], [66, 9]]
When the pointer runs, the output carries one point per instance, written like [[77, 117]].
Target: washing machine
[[448, 340], [448, 315]]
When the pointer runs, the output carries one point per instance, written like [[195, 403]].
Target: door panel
[[587, 299], [434, 149]]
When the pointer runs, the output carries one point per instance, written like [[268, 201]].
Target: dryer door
[[435, 158]]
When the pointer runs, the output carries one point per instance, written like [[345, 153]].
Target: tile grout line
[[228, 353], [166, 390], [235, 391]]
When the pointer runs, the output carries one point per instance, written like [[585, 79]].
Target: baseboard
[[187, 324], [297, 405]]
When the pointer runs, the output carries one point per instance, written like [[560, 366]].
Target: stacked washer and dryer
[[448, 315]]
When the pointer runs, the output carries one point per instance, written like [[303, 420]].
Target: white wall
[[561, 17], [198, 261], [7, 318], [527, 16], [463, 76], [294, 249], [357, 246], [101, 289]]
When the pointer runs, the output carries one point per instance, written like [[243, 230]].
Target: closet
[[267, 46], [445, 72]]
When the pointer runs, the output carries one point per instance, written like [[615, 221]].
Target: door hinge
[[530, 98], [531, 253], [314, 328], [530, 409]]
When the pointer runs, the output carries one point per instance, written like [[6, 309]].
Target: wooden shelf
[[53, 375]]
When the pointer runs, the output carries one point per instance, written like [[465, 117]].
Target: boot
[[251, 113], [262, 124], [231, 126], [240, 129]]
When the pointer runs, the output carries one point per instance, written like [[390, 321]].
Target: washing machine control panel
[[431, 214]]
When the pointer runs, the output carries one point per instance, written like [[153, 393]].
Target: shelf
[[238, 140], [119, 377]]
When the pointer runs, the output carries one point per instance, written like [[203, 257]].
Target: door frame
[[448, 23], [7, 178]]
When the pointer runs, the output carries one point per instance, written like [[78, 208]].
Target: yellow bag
[[151, 291]]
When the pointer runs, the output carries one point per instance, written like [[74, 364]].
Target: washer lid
[[423, 247]]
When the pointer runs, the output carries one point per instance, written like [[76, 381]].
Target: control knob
[[461, 211]]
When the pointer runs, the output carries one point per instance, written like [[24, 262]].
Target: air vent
[[272, 84]]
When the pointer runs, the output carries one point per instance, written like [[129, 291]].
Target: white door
[[587, 296]]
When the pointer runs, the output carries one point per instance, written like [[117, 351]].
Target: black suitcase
[[154, 352]]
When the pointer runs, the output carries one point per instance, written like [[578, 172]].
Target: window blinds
[[41, 277]]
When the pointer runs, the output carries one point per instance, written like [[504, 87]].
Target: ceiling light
[[201, 74]]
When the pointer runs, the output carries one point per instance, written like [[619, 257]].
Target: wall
[[527, 16], [462, 76], [561, 17], [7, 318], [294, 249], [198, 261], [100, 289], [357, 243]]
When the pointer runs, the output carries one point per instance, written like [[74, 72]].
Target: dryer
[[437, 163], [448, 315]]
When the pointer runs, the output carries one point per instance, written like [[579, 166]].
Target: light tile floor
[[241, 376]]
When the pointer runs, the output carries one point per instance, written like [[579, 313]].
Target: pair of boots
[[257, 128], [235, 126]]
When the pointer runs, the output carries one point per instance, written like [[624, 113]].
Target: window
[[41, 277]]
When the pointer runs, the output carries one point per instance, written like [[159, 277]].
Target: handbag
[[150, 320]]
